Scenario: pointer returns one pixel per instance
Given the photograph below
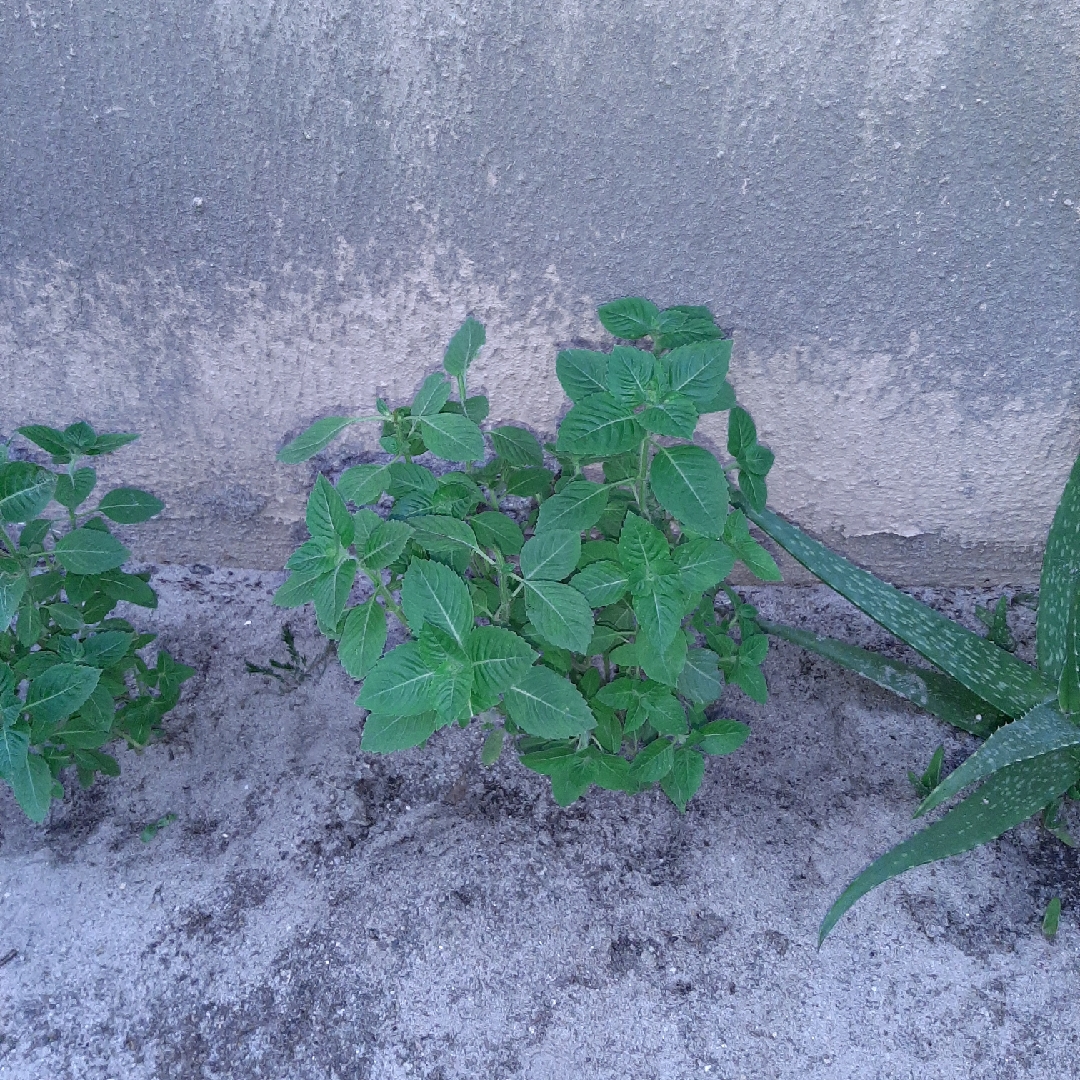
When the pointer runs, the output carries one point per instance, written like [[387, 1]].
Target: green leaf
[[702, 564], [316, 438], [491, 751], [90, 551], [560, 614], [386, 542], [327, 516], [407, 478], [431, 592], [750, 681], [642, 547], [598, 426], [684, 323], [362, 639], [754, 488], [517, 447], [332, 594], [660, 610], [551, 556], [314, 557], [297, 589], [32, 784], [995, 675], [675, 416], [464, 347], [477, 408], [723, 401], [545, 704], [654, 762], [455, 438], [106, 444], [104, 649], [1061, 565], [757, 459], [49, 439], [129, 506], [442, 535], [577, 507], [401, 681], [689, 483], [700, 680], [12, 588], [741, 432], [1069, 682], [363, 484], [630, 318], [495, 530], [384, 734], [129, 588], [665, 666], [568, 784], [1052, 917], [451, 689], [60, 691], [631, 373], [698, 370], [687, 771], [25, 490], [601, 583], [14, 746], [1039, 732], [432, 395], [1007, 798], [581, 373], [940, 695], [73, 491], [665, 711], [721, 736], [499, 659], [525, 483]]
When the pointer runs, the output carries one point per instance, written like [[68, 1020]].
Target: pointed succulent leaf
[[940, 695], [1039, 732], [1004, 800], [995, 675], [1060, 568]]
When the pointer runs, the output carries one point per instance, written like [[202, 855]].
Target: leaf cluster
[[71, 677], [563, 595], [1029, 716]]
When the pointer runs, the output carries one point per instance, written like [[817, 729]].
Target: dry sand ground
[[316, 912]]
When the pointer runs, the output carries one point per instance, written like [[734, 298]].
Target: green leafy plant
[[71, 677], [1028, 715], [566, 598]]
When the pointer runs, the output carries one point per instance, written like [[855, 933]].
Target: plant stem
[[643, 462]]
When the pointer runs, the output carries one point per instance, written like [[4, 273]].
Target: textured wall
[[220, 221]]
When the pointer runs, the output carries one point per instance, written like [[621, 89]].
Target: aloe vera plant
[[1028, 715], [571, 614]]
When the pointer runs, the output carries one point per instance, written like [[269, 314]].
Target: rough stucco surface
[[221, 221], [318, 912]]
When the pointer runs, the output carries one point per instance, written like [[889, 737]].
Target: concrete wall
[[219, 221]]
